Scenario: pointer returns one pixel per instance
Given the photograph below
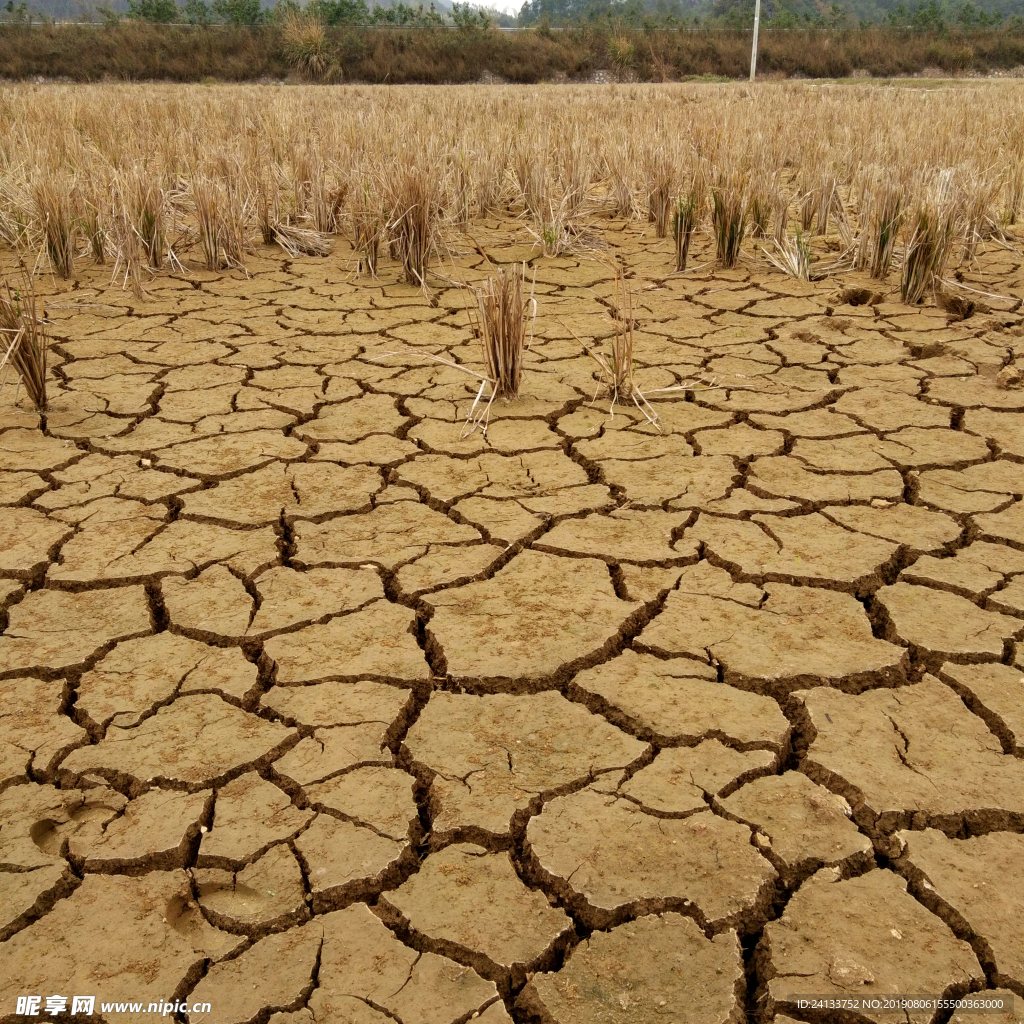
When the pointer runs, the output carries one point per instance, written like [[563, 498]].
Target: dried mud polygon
[[315, 709]]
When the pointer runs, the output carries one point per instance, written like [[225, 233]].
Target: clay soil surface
[[314, 710]]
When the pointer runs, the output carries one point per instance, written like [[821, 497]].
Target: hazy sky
[[509, 6]]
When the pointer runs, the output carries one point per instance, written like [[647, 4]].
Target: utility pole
[[753, 51]]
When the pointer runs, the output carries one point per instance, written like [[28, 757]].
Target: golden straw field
[[549, 555], [109, 156]]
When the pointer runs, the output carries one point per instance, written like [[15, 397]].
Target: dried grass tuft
[[621, 160], [503, 317], [95, 232], [557, 209], [575, 179], [685, 217], [222, 215], [927, 252], [148, 215], [808, 206], [759, 210], [792, 256], [368, 226], [506, 318], [23, 339], [204, 196], [826, 197], [127, 245], [885, 219], [616, 365], [53, 203], [16, 213], [659, 173], [415, 203], [304, 39], [660, 202], [327, 204], [555, 231], [978, 202], [489, 176], [267, 210], [529, 176], [298, 241], [780, 217], [461, 188], [1013, 190], [728, 216]]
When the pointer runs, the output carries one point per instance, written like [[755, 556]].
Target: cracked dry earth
[[316, 712]]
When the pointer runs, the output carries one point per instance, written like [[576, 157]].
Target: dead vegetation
[[688, 212], [813, 182], [414, 195], [616, 365], [23, 340], [503, 319], [728, 217], [506, 315], [306, 48]]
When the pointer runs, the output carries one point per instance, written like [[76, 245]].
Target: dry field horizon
[[687, 683]]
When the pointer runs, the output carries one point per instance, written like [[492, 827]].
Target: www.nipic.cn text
[[35, 1006]]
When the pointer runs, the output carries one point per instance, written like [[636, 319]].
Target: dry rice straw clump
[[503, 314], [23, 340], [503, 317], [617, 366], [792, 256], [685, 217], [728, 216], [122, 177], [415, 201], [53, 203], [927, 252]]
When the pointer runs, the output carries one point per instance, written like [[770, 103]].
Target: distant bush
[[239, 12], [196, 12], [153, 10]]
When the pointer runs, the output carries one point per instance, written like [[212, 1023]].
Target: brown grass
[[616, 365], [53, 202], [928, 247], [156, 179], [415, 202], [222, 215], [149, 219], [506, 314], [368, 226], [305, 45], [728, 216], [688, 212], [884, 217], [23, 339], [298, 241]]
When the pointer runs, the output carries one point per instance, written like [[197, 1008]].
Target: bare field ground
[[315, 710]]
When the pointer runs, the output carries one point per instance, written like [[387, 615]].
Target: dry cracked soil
[[316, 710]]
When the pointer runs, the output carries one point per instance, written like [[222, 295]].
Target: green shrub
[[153, 10]]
